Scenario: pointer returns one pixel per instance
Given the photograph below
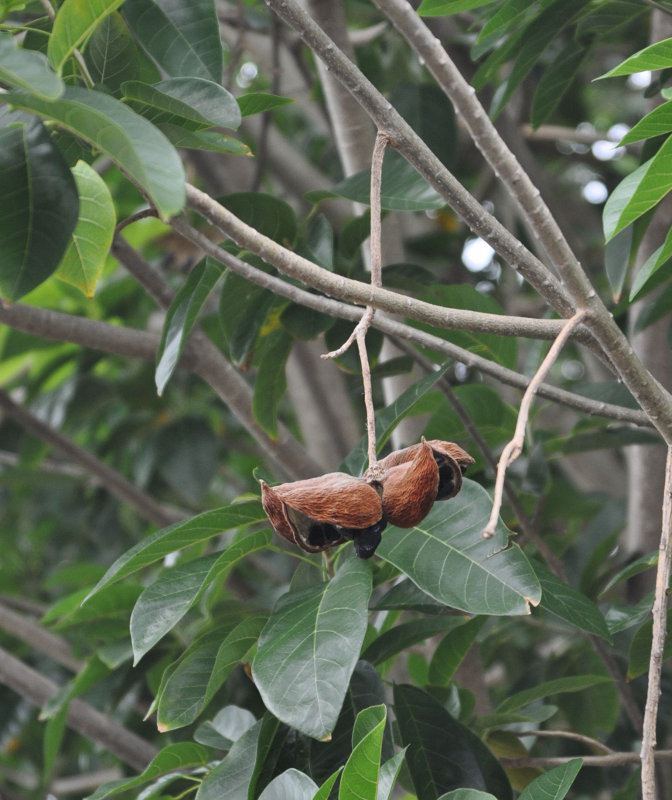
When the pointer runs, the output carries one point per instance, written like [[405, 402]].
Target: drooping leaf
[[557, 80], [83, 261], [113, 57], [452, 649], [140, 150], [271, 381], [257, 102], [554, 784], [309, 647], [181, 317], [38, 206], [360, 774], [449, 560], [172, 758], [243, 309], [617, 260], [638, 192], [442, 753], [28, 69], [181, 534], [201, 671], [75, 22], [403, 189], [570, 604], [644, 279], [656, 56], [193, 103], [183, 38], [290, 785]]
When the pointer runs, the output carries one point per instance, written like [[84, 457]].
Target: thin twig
[[648, 751], [515, 447], [577, 737], [360, 331], [611, 760], [143, 213]]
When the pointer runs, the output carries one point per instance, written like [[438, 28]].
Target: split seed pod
[[409, 486], [318, 513]]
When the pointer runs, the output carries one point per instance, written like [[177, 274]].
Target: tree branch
[[82, 717], [610, 760]]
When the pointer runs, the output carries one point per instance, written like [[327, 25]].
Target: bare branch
[[515, 447], [29, 631], [610, 760]]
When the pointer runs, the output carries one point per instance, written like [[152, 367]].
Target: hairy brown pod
[[318, 513], [410, 487]]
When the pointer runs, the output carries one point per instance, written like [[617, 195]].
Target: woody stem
[[515, 447]]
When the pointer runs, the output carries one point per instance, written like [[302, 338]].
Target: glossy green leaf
[[387, 778], [28, 69], [113, 57], [403, 189], [181, 534], [75, 22], [181, 317], [83, 262], [557, 80], [257, 102], [271, 381], [54, 731], [404, 635], [574, 683], [570, 604], [226, 727], [183, 38], [656, 56], [554, 784], [442, 8], [635, 567], [210, 141], [452, 649], [324, 791], [467, 794], [406, 596], [290, 785], [243, 309], [266, 213], [644, 278], [655, 123], [309, 647], [194, 103], [140, 150], [235, 777], [442, 753], [359, 779], [201, 671], [173, 757], [507, 16], [617, 260], [620, 618], [388, 419], [638, 192], [38, 206], [304, 323], [448, 559], [640, 648]]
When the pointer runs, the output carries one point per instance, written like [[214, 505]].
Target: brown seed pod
[[410, 487], [318, 513]]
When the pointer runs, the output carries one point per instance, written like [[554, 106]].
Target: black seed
[[322, 534]]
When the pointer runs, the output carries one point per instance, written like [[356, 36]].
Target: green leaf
[[452, 649], [257, 102], [53, 737], [304, 323], [634, 568], [403, 189], [266, 213], [309, 647], [227, 726], [442, 8], [201, 671], [575, 683], [406, 596], [187, 456], [194, 103], [400, 637], [325, 790], [28, 69], [181, 534], [557, 80], [243, 309], [211, 141], [640, 648], [554, 784], [38, 206], [442, 753], [235, 777], [426, 109], [271, 381], [570, 604], [655, 123], [643, 279], [84, 260], [181, 317], [467, 794], [388, 419], [617, 260], [389, 772], [183, 38], [656, 56], [140, 150], [290, 785], [113, 56], [360, 774], [449, 560], [506, 17], [638, 192], [74, 23], [173, 757]]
